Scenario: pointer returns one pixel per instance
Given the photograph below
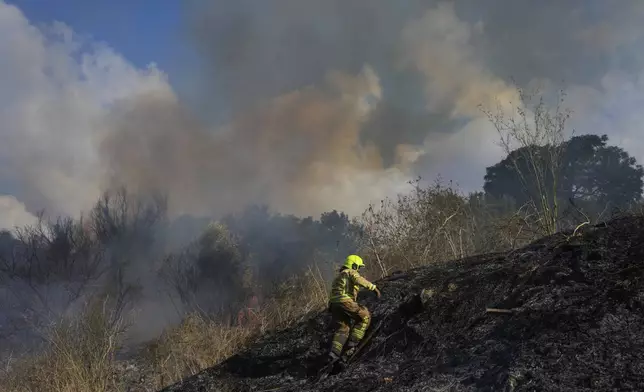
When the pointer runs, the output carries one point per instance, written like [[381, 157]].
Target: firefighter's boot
[[349, 350]]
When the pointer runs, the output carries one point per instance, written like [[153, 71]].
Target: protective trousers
[[343, 313]]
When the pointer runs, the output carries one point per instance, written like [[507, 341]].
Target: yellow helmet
[[353, 262]]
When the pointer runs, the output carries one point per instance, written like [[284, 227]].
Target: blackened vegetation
[[575, 322]]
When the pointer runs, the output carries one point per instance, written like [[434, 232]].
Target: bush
[[209, 273], [430, 224], [436, 224]]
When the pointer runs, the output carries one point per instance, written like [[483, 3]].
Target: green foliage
[[600, 173], [592, 174]]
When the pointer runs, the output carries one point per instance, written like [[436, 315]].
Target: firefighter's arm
[[359, 280]]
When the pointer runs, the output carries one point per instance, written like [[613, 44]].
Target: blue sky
[[143, 31]]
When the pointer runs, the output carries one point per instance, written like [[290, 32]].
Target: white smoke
[[77, 117], [56, 91], [14, 214], [439, 46]]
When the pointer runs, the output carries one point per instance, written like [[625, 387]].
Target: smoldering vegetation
[[216, 222], [128, 251], [128, 299], [126, 280], [504, 321], [302, 106]]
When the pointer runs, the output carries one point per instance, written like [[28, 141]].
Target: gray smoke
[[303, 105]]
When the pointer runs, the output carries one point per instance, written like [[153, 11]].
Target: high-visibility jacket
[[346, 285]]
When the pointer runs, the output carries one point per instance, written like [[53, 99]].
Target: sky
[[140, 30], [303, 105]]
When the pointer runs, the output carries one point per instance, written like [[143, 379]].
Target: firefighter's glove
[[377, 292]]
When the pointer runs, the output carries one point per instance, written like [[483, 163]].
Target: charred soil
[[572, 320]]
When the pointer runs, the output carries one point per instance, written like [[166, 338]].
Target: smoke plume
[[303, 105], [299, 152]]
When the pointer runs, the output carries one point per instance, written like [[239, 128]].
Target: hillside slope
[[577, 325]]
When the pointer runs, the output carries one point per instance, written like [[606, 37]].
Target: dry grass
[[197, 343], [295, 300], [429, 225], [80, 352], [436, 224], [79, 356]]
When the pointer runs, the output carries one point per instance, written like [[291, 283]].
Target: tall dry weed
[[196, 344], [79, 355], [295, 299], [200, 342], [437, 223]]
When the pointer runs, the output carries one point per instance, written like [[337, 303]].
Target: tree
[[592, 174], [601, 173], [209, 274], [538, 132]]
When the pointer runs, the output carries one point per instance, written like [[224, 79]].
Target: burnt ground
[[577, 324]]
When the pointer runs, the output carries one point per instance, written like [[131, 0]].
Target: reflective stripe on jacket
[[346, 285]]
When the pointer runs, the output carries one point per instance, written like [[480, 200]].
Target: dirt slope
[[577, 325]]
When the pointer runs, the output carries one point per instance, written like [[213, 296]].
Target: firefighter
[[345, 310]]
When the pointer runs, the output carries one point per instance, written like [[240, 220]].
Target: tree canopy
[[591, 171]]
